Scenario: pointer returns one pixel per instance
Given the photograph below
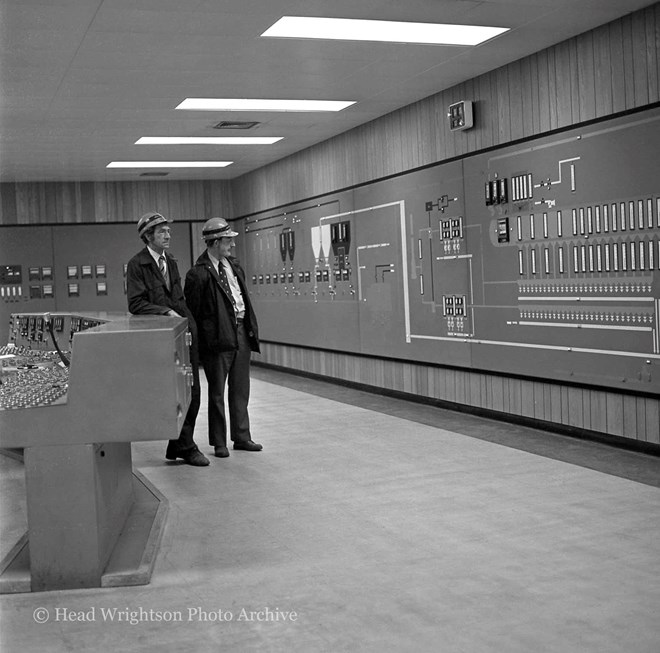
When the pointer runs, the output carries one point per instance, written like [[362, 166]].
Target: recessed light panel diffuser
[[235, 104], [348, 29], [208, 140], [168, 164]]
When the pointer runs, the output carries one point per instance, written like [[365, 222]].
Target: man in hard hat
[[153, 286], [218, 299]]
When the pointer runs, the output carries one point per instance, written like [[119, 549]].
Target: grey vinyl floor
[[373, 524]]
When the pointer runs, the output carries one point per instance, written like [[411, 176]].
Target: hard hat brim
[[220, 234]]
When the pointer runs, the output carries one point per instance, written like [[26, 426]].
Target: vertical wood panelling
[[628, 61], [68, 202], [527, 399], [516, 109], [498, 394], [527, 106], [538, 399], [586, 78], [653, 422], [565, 399], [654, 45], [564, 84], [629, 415], [546, 408], [598, 409], [587, 398], [470, 93], [615, 414], [482, 127], [8, 209], [555, 402], [642, 426], [640, 58], [484, 397], [515, 397], [503, 105], [574, 65], [618, 70], [474, 389], [543, 84], [602, 72]]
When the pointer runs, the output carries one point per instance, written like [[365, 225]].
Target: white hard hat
[[217, 228]]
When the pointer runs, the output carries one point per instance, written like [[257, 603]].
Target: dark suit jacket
[[146, 290], [213, 309]]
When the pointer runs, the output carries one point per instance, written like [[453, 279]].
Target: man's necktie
[[224, 282], [163, 270]]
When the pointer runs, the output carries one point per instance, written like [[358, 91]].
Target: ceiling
[[82, 80]]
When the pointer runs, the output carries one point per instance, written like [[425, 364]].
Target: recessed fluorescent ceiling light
[[168, 164], [219, 104], [208, 140], [349, 29]]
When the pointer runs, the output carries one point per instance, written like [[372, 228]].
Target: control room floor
[[384, 525]]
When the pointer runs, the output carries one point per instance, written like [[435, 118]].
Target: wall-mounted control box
[[460, 115]]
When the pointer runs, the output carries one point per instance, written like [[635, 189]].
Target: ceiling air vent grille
[[154, 174], [229, 124]]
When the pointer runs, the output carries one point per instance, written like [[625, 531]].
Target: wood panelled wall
[[52, 203], [608, 70]]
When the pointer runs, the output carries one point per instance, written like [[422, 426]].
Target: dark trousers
[[185, 441], [231, 369]]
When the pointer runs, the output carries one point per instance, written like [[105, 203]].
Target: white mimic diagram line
[[607, 327], [575, 158], [404, 254], [581, 350], [363, 267], [451, 257], [585, 299], [368, 208]]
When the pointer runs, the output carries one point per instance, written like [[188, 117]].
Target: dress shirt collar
[[155, 255]]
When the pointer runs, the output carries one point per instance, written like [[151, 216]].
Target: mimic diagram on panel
[[331, 246], [585, 259], [313, 256], [442, 269], [440, 266], [296, 261], [41, 281]]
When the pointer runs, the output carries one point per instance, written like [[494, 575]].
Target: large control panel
[[72, 267], [93, 377], [34, 364], [539, 259], [75, 390]]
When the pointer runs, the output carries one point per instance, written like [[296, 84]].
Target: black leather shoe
[[248, 445], [221, 452], [192, 457], [196, 458]]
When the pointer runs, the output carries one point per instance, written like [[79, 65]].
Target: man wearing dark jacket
[[227, 327], [153, 286]]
